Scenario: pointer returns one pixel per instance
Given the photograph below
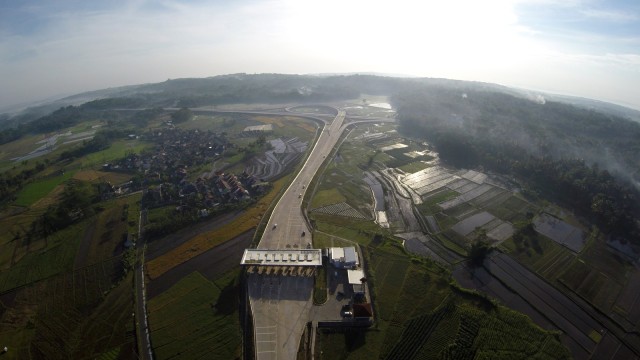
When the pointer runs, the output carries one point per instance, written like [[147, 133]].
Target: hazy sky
[[587, 48]]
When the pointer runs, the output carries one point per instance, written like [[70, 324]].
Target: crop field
[[501, 232], [560, 232], [340, 209], [454, 241], [424, 177], [419, 316], [460, 211], [326, 197], [598, 255], [545, 256], [399, 286], [511, 209], [38, 189], [56, 257], [235, 123], [591, 284], [18, 148], [229, 123], [197, 318], [414, 166], [628, 302], [469, 224], [107, 234], [494, 194], [114, 178], [79, 314], [467, 196], [444, 221], [322, 240], [462, 331], [202, 242], [430, 202], [343, 179], [117, 150], [356, 230]]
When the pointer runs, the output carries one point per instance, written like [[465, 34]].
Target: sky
[[587, 48]]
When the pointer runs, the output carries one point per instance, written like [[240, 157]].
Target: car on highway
[[274, 226], [303, 233]]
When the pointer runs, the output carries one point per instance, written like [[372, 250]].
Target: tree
[[182, 115], [478, 252]]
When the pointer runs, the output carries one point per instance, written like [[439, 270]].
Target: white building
[[344, 258], [355, 280]]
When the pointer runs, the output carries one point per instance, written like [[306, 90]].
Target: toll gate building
[[284, 262]]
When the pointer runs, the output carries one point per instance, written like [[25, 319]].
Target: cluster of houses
[[209, 192], [163, 172], [175, 150]]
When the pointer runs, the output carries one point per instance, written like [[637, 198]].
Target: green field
[[56, 257], [430, 204], [196, 318], [320, 286], [322, 240], [78, 314], [36, 190], [591, 284], [420, 315], [460, 330], [327, 197], [542, 255], [117, 150], [413, 167], [360, 231]]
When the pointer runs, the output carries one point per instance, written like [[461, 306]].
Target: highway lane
[[287, 214], [142, 323], [281, 305]]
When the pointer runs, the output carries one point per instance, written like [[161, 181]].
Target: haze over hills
[[613, 153], [215, 83]]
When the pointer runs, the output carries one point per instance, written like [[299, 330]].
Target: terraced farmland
[[340, 209]]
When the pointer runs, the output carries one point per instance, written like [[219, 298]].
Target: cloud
[[80, 45], [610, 15]]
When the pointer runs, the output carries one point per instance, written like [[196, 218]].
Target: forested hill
[[585, 159]]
